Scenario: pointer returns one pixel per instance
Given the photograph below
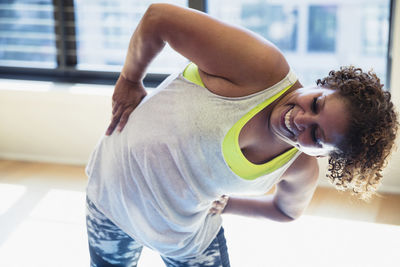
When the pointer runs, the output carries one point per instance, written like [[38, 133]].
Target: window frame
[[66, 70]]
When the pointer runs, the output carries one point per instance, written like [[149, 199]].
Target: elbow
[[292, 214], [294, 217], [152, 14], [156, 16], [295, 214], [157, 20], [289, 218], [153, 9], [286, 215], [157, 12], [151, 26]]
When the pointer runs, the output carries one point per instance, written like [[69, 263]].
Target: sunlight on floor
[[9, 194], [60, 205], [312, 241], [49, 230], [50, 234]]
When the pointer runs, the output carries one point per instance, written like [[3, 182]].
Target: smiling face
[[313, 119]]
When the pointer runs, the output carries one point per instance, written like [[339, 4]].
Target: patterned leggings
[[110, 246]]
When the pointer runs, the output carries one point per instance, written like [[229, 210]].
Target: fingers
[[219, 205], [119, 118], [114, 120], [115, 107], [124, 118]]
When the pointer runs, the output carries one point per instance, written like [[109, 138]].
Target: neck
[[258, 143]]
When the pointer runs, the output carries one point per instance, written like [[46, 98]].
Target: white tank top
[[157, 179]]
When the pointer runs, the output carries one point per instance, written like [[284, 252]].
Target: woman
[[236, 122]]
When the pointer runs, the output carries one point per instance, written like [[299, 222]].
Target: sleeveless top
[[230, 146], [157, 179]]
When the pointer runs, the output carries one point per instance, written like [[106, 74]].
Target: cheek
[[304, 139]]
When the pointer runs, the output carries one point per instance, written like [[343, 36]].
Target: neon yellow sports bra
[[230, 146]]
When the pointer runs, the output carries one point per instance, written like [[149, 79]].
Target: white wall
[[43, 121]]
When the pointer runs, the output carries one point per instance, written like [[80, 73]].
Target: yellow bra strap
[[191, 73], [233, 154]]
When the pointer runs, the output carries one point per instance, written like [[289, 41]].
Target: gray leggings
[[110, 246]]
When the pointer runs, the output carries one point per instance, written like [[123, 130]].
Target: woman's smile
[[288, 121]]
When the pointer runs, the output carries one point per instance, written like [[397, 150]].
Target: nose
[[302, 121]]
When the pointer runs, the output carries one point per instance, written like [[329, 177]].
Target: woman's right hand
[[127, 96], [219, 205]]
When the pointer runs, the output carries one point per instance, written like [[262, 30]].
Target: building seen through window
[[322, 28], [315, 36], [27, 33], [104, 29], [375, 29], [275, 22]]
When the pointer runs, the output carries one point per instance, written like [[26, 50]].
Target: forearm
[[144, 45], [258, 207]]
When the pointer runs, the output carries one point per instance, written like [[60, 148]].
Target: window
[[322, 28], [277, 23], [88, 39], [75, 40], [317, 36], [104, 28], [27, 35], [375, 31]]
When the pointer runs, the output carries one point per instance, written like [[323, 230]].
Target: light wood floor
[[42, 223]]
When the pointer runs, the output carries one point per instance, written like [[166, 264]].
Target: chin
[[313, 153]]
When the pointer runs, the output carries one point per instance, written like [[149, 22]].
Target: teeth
[[287, 120]]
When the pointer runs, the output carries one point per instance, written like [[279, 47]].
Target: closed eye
[[314, 134], [317, 105], [314, 105], [314, 137], [314, 109]]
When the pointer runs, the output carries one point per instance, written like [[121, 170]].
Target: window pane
[[322, 28], [104, 28], [277, 23], [317, 36], [375, 25], [27, 33]]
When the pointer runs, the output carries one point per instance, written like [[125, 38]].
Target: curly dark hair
[[358, 161]]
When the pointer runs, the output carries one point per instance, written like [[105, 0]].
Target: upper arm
[[296, 188], [219, 49]]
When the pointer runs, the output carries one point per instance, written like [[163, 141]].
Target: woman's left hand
[[219, 205]]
